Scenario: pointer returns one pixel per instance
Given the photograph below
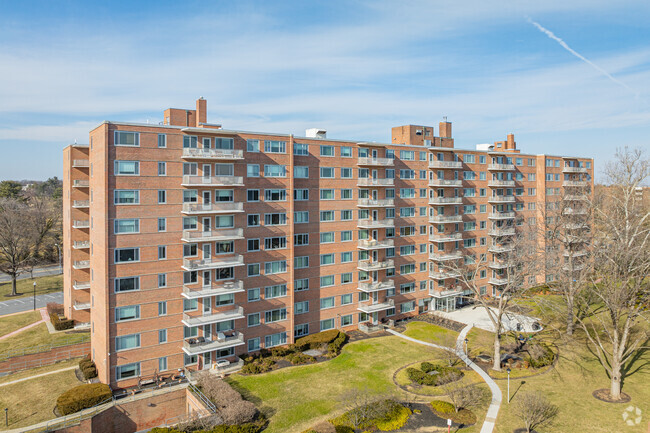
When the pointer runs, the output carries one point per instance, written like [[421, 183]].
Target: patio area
[[478, 317]]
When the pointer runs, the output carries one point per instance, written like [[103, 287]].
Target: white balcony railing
[[375, 224], [81, 285], [442, 257], [80, 183], [215, 262], [375, 182], [495, 264], [78, 245], [567, 169], [196, 346], [370, 307], [218, 207], [501, 167], [501, 215], [377, 286], [81, 264], [212, 181], [371, 244], [500, 248], [226, 288], [498, 281], [500, 183], [81, 204], [443, 275], [445, 200], [367, 265], [582, 183], [213, 235], [206, 319], [441, 219], [368, 202], [81, 305], [502, 231], [384, 162], [80, 163], [501, 199], [445, 182], [445, 164], [445, 237], [200, 153], [81, 224]]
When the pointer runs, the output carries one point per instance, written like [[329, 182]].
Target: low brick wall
[[40, 359]]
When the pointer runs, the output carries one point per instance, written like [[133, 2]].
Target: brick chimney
[[444, 129], [201, 111]]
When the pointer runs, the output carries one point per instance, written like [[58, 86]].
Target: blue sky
[[355, 68]]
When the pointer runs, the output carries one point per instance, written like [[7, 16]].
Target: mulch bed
[[603, 395], [436, 320], [426, 418]]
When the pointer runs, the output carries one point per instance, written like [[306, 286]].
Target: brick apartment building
[[186, 243]]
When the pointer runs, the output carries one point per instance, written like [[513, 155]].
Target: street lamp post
[[6, 417], [34, 295], [466, 341], [508, 370]]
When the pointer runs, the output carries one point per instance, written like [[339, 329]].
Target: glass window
[[300, 149], [130, 312], [275, 339], [275, 170], [328, 302], [127, 371], [253, 319], [124, 138], [162, 140], [326, 150], [162, 336], [127, 226], [127, 196], [126, 342], [274, 146], [300, 172], [127, 168], [346, 152], [252, 145], [254, 344], [327, 324], [253, 170], [127, 255]]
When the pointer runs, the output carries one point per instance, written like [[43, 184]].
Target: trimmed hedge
[[335, 346], [88, 368], [301, 358], [421, 377], [390, 415], [61, 325], [82, 397], [540, 355], [442, 408], [314, 341]]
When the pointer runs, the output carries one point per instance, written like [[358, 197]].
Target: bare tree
[[448, 356], [17, 238], [462, 396], [534, 410], [46, 216], [360, 405], [620, 291], [511, 260]]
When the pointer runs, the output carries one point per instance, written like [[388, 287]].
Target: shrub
[[244, 428], [314, 341], [233, 409], [383, 415], [427, 367], [464, 416], [394, 417], [335, 346], [540, 355], [61, 325], [280, 351], [445, 374], [442, 408], [82, 397], [301, 358], [238, 413], [164, 430], [420, 377], [54, 308], [251, 368], [88, 368]]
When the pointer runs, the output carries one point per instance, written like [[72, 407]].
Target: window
[[327, 237], [327, 259], [253, 195], [300, 239], [162, 140], [346, 236], [327, 324], [407, 174], [326, 150], [300, 149], [346, 152], [275, 219], [407, 288], [190, 168], [326, 303], [275, 315], [126, 196], [301, 194], [223, 221], [300, 285], [162, 168], [127, 168], [407, 268], [301, 307], [127, 371], [468, 159], [300, 172], [469, 175], [275, 267], [407, 307], [346, 173], [274, 146], [162, 336], [253, 245], [190, 304], [327, 215], [253, 220], [275, 170], [162, 280], [253, 170], [254, 344], [190, 141], [127, 226], [301, 262], [127, 255], [126, 342], [253, 319], [275, 195], [327, 281], [253, 269], [407, 155], [162, 196], [253, 295], [346, 299], [346, 257], [131, 312], [275, 339], [327, 194], [327, 172], [252, 145], [124, 138], [162, 308], [301, 217]]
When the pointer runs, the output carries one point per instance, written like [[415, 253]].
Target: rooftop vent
[[316, 133], [484, 147]]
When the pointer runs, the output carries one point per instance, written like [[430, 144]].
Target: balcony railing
[[500, 248], [445, 237], [81, 264], [384, 162], [445, 164], [501, 199], [574, 268], [495, 264], [371, 244], [215, 262], [368, 202], [575, 183], [78, 245], [212, 181], [498, 281], [440, 219], [80, 183], [80, 224], [81, 305], [443, 275], [579, 253], [80, 204], [575, 226], [502, 231], [501, 167], [195, 346], [367, 265], [501, 215], [442, 257], [375, 224], [445, 182], [571, 211], [576, 197], [219, 207], [81, 285], [200, 153], [214, 235], [80, 163], [215, 289], [370, 307], [445, 200], [574, 169], [444, 293], [206, 319], [377, 286], [500, 183], [375, 182]]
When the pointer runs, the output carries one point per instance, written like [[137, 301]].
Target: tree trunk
[[570, 321], [496, 365], [615, 387], [13, 285]]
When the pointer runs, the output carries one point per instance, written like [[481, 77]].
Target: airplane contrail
[[564, 45]]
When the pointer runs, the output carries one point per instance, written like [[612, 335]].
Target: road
[[38, 272], [27, 304]]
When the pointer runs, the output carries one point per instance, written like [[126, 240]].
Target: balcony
[[81, 306], [206, 319], [80, 163], [445, 237], [500, 248], [498, 265], [200, 153], [369, 307], [371, 244], [445, 182], [444, 293], [377, 286], [574, 197], [501, 215], [226, 288], [369, 266], [575, 226], [81, 285], [571, 211], [368, 202], [81, 204], [510, 231], [81, 264], [375, 224], [81, 326], [375, 182], [496, 281], [215, 262], [212, 181], [383, 162], [579, 253], [501, 167], [441, 219], [501, 183], [445, 200], [80, 245], [443, 257], [579, 183], [80, 183], [445, 164], [81, 224], [214, 235], [196, 346], [212, 208], [574, 268], [443, 275], [501, 199], [574, 169]]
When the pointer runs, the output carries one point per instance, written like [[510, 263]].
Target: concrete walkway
[[44, 319], [37, 375], [495, 404]]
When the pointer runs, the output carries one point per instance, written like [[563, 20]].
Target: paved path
[[495, 404], [37, 375], [38, 272], [25, 304]]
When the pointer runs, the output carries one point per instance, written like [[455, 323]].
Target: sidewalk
[[44, 319]]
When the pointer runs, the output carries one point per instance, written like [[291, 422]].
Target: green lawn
[[39, 370], [25, 287], [38, 336], [16, 321], [431, 334], [32, 401]]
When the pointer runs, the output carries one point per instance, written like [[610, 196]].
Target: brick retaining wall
[[40, 359]]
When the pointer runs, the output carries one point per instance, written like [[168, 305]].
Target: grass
[[32, 401], [39, 370], [431, 333], [25, 287], [470, 378], [16, 321], [38, 336]]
